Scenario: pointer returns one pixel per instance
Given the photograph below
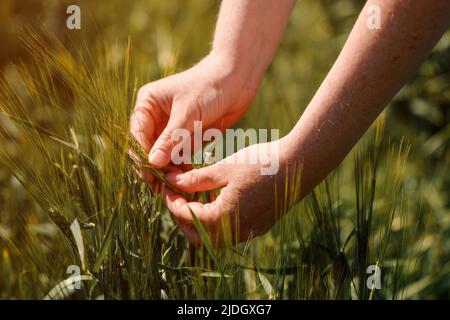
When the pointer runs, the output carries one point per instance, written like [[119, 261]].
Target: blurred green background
[[178, 33]]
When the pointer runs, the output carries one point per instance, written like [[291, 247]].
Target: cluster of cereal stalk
[[67, 143]]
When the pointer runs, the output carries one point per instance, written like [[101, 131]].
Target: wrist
[[241, 70]]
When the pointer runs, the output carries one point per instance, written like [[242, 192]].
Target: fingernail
[[174, 177], [157, 158]]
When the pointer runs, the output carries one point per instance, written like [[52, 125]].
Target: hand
[[250, 200], [211, 92]]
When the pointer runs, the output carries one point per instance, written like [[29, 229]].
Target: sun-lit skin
[[373, 65], [220, 88], [245, 192]]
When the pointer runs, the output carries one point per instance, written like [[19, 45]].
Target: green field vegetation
[[69, 194]]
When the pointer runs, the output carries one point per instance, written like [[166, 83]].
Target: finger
[[182, 210], [191, 234], [180, 125], [142, 126], [203, 179], [210, 215], [161, 152], [174, 203], [177, 206]]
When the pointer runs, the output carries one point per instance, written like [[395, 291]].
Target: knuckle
[[135, 118], [194, 177], [137, 125], [141, 95], [141, 91], [168, 139], [145, 97], [180, 208]]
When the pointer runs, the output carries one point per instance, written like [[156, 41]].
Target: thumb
[[180, 118], [203, 179], [160, 154]]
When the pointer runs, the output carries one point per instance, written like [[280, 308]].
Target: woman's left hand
[[252, 183]]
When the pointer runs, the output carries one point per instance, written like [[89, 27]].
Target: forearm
[[248, 33], [372, 67]]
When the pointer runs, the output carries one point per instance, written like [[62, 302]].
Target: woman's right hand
[[212, 92]]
